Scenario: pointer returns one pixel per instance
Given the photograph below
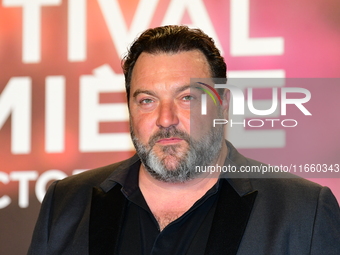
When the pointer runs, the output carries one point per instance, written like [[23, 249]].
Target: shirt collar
[[120, 174]]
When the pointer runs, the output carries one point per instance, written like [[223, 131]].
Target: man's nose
[[167, 115]]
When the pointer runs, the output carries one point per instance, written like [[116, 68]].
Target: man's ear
[[226, 103]]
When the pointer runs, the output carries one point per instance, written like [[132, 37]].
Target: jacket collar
[[240, 182], [230, 220]]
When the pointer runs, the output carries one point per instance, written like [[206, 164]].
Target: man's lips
[[170, 140]]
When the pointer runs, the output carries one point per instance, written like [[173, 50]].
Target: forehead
[[164, 69]]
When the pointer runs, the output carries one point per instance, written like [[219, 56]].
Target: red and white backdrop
[[62, 101]]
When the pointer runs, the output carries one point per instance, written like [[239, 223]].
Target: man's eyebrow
[[140, 91], [185, 87], [151, 93]]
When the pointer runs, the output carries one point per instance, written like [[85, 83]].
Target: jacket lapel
[[106, 218], [230, 220]]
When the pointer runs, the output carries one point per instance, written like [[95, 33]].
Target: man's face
[[160, 103]]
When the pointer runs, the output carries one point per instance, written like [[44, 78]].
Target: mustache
[[168, 133]]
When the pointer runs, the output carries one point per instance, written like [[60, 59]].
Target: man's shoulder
[[252, 175], [94, 177], [287, 184], [292, 196], [284, 185]]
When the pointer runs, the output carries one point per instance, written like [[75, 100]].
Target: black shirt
[[141, 234]]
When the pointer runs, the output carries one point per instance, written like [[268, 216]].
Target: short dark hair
[[173, 39]]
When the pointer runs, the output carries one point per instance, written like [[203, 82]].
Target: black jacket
[[255, 216]]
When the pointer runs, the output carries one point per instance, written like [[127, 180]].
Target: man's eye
[[146, 101], [188, 98]]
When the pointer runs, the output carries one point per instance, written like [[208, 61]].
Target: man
[[156, 202]]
